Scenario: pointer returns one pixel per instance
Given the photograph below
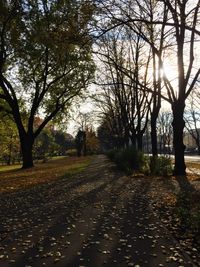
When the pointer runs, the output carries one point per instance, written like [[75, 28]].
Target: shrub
[[128, 159], [71, 152], [111, 154], [160, 165]]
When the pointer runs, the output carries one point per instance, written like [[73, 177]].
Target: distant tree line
[[86, 140], [49, 143]]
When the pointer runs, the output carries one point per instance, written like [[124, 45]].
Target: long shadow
[[95, 248], [184, 183], [185, 197], [78, 203], [146, 241], [42, 195], [100, 245], [105, 221], [127, 245]]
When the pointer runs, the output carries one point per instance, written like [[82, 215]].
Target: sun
[[170, 72]]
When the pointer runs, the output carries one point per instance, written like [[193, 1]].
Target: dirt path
[[98, 218]]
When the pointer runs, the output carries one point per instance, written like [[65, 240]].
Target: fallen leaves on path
[[99, 218]]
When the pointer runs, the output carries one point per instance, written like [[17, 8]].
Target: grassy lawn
[[4, 168], [13, 178]]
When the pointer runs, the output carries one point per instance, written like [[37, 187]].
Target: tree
[[62, 141], [45, 60], [51, 141], [124, 71], [83, 120], [80, 141], [92, 142], [86, 139], [181, 30], [192, 117], [157, 36], [165, 132], [44, 145], [105, 136], [9, 140], [182, 15]]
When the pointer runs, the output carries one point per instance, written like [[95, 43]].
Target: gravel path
[[98, 218]]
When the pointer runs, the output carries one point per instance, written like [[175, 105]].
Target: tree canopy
[[45, 61]]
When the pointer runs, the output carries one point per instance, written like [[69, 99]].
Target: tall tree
[[181, 29], [165, 133], [44, 59], [125, 70], [192, 117], [183, 16]]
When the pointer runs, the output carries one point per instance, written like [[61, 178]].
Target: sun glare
[[170, 71]]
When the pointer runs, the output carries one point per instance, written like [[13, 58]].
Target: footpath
[[100, 217]]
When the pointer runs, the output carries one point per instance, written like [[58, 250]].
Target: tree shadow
[[184, 184], [60, 224], [110, 232]]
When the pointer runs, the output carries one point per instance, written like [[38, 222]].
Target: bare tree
[[180, 20], [192, 118], [165, 132], [122, 54]]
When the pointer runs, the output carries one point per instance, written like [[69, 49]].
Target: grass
[[18, 166], [4, 168], [13, 178]]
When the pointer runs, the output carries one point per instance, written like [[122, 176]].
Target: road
[[192, 158]]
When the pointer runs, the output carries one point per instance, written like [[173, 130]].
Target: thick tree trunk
[[126, 139], [198, 142], [139, 142], [154, 141], [27, 151], [133, 141], [179, 147]]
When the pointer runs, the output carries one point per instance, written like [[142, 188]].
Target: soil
[[99, 217]]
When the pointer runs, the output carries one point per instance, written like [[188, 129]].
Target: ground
[[97, 217]]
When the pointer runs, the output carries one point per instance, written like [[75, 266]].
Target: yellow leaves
[[17, 179], [92, 142]]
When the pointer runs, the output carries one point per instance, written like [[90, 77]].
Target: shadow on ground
[[98, 218]]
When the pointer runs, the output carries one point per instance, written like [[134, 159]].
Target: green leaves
[[50, 49], [46, 53]]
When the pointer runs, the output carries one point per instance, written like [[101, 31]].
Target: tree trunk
[[179, 147], [154, 141], [27, 151], [139, 141], [126, 139], [133, 141], [10, 153], [84, 147], [198, 141]]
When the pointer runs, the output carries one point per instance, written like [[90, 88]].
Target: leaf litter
[[113, 223]]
